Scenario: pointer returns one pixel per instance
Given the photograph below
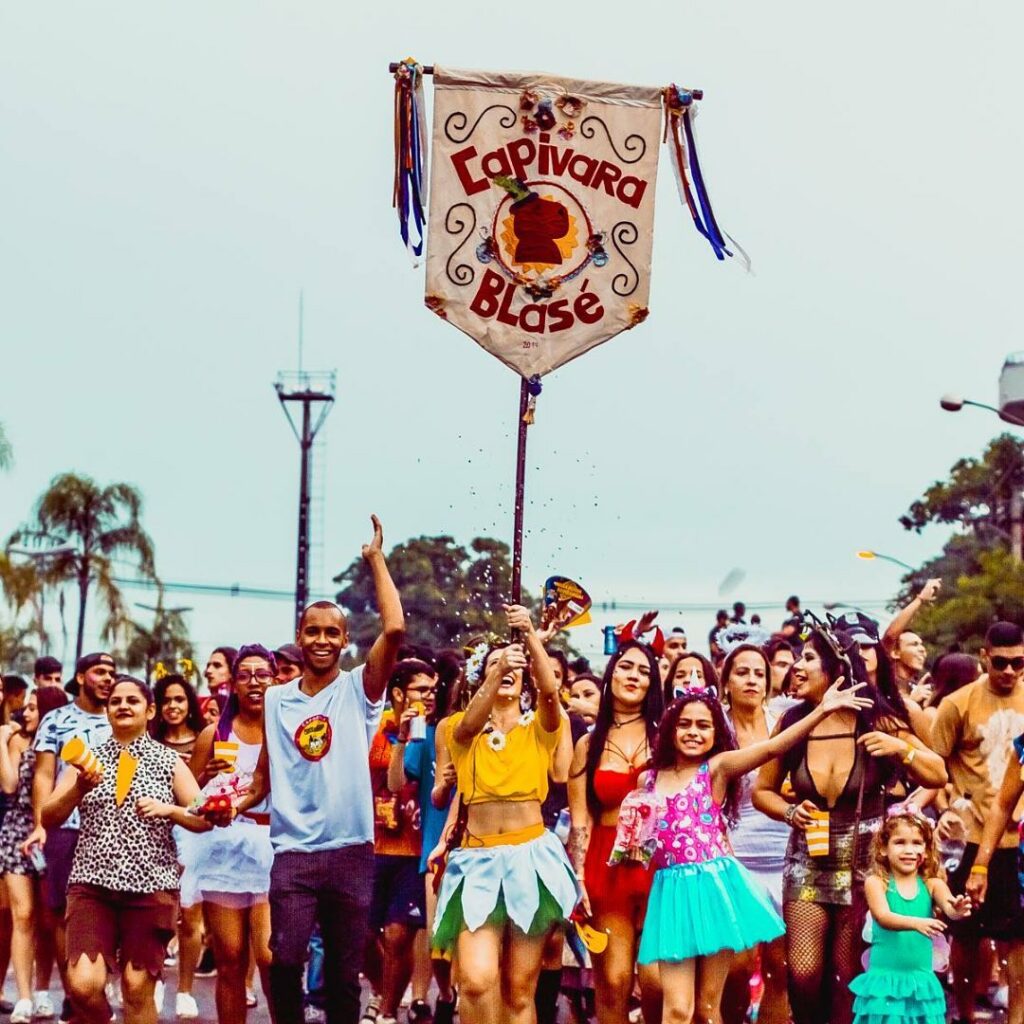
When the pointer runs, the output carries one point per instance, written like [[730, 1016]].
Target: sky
[[172, 177]]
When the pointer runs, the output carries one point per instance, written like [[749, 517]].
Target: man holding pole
[[314, 765]]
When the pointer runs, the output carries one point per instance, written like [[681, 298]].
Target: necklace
[[626, 721]]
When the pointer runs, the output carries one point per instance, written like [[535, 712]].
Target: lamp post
[[1010, 410], [870, 556]]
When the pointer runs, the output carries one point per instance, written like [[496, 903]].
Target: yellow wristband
[[979, 869], [910, 754]]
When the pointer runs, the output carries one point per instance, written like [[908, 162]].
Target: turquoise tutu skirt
[[699, 909], [898, 997]]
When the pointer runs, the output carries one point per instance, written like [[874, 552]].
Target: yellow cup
[[817, 835], [226, 750], [77, 753]]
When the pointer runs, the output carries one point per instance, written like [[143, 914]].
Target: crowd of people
[[805, 824]]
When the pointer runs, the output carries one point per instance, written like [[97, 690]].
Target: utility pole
[[312, 391]]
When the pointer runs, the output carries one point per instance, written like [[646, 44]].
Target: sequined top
[[691, 828]]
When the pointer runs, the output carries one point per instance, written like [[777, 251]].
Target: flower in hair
[[908, 810], [696, 693]]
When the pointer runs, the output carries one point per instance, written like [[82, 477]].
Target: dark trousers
[[332, 888]]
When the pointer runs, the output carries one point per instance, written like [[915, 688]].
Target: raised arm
[[548, 709], [444, 768], [510, 659], [380, 662], [733, 763], [905, 616]]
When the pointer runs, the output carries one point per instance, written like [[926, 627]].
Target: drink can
[[611, 645], [35, 855], [418, 728]]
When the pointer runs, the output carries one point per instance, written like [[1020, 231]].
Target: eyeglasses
[[1001, 664], [261, 675], [418, 691]]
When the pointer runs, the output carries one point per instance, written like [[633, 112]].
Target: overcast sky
[[172, 175]]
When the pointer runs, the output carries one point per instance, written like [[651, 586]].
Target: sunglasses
[[261, 675], [1001, 664]]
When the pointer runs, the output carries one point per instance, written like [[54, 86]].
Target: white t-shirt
[[319, 748], [64, 723]]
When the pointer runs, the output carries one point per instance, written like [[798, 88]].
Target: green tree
[[449, 593], [94, 526], [982, 581], [165, 642], [22, 589]]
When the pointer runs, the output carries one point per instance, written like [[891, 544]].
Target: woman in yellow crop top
[[509, 883]]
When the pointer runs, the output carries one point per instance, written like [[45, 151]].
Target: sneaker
[[112, 990], [185, 1006], [419, 1012], [22, 1012], [1000, 998], [372, 1011], [206, 968], [158, 996], [314, 1015], [250, 998], [42, 1006]]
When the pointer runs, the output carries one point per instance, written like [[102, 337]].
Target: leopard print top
[[116, 848]]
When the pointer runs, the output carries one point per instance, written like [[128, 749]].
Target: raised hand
[[511, 659], [645, 623], [930, 591], [838, 699], [518, 618], [376, 546]]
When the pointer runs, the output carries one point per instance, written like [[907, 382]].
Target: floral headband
[[909, 810]]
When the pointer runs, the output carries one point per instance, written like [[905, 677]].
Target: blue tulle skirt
[[699, 909], [898, 997]]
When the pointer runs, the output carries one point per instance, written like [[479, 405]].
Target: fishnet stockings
[[823, 950]]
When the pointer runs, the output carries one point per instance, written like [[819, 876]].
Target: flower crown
[[909, 810], [731, 637], [476, 654]]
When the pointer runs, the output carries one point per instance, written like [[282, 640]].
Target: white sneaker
[[43, 1007], [22, 1012], [112, 990], [1000, 999], [185, 1006], [158, 996]]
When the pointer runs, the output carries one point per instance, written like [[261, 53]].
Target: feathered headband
[[730, 637]]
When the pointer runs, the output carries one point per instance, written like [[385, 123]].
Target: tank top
[[248, 755], [902, 950], [611, 787], [691, 828]]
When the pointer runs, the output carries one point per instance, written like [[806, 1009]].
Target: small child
[[899, 985], [704, 905]]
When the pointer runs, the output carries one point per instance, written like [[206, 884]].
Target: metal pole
[[517, 530], [1017, 525], [302, 560]]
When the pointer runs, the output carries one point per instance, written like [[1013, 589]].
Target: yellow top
[[504, 766]]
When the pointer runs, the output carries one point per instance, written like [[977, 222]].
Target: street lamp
[[954, 403], [1011, 393], [870, 556]]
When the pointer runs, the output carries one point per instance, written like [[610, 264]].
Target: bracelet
[[979, 869], [790, 814], [911, 753]]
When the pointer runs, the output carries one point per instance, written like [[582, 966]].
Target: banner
[[541, 211]]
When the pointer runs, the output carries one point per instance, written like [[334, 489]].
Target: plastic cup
[[817, 835], [77, 753], [226, 750]]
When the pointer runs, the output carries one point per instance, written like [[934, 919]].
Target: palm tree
[[93, 526], [165, 643]]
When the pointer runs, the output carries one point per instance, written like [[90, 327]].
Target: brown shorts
[[103, 922]]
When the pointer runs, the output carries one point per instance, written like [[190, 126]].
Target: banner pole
[[517, 530]]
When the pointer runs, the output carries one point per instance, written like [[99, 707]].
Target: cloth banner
[[541, 211]]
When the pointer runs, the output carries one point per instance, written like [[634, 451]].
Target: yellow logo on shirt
[[313, 737]]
